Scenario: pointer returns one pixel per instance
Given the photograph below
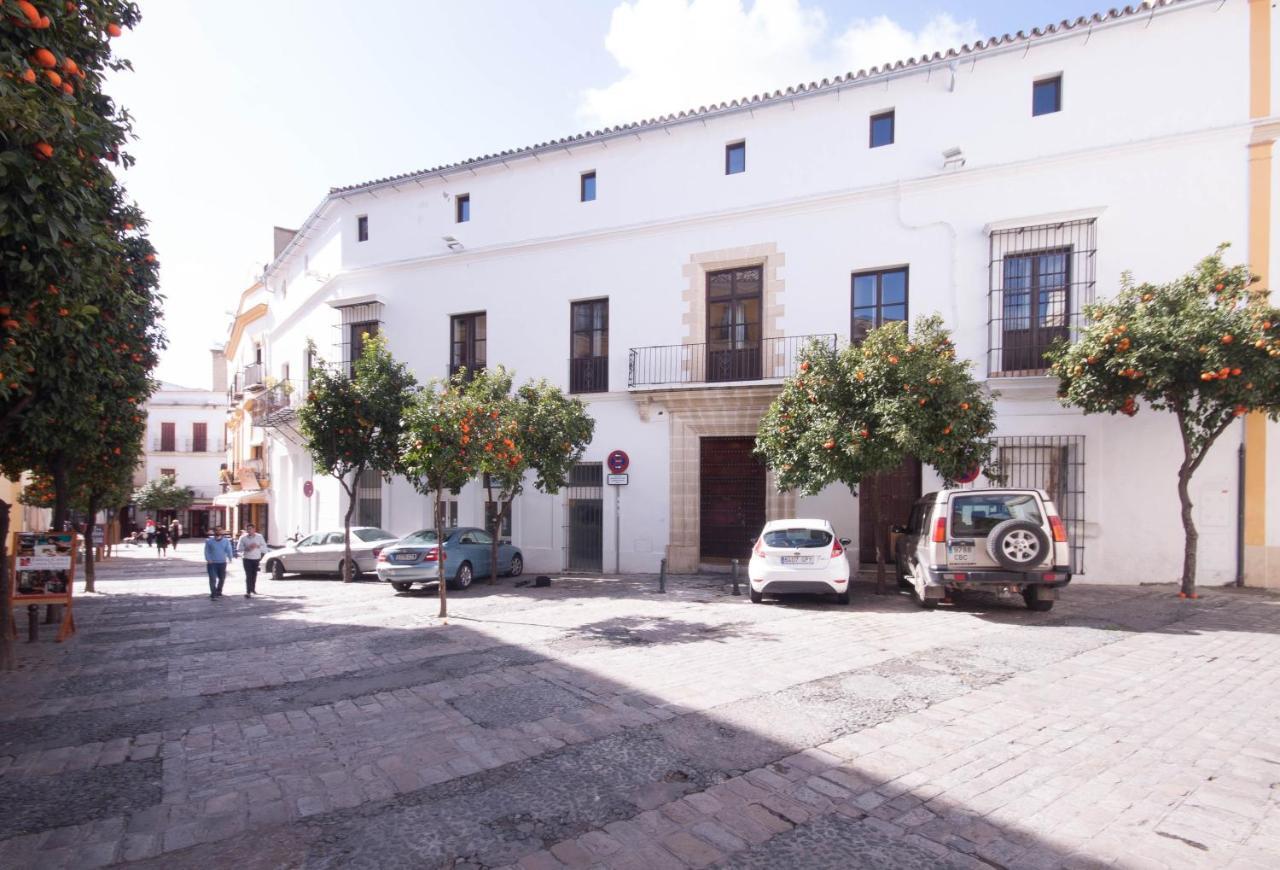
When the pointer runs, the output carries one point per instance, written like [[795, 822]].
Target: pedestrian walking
[[162, 540], [252, 547], [175, 532], [217, 553], [151, 532]]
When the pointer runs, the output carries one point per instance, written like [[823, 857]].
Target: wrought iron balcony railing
[[768, 359]]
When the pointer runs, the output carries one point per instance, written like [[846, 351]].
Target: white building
[[669, 270], [185, 440]]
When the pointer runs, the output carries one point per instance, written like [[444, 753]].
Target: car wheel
[[1034, 602], [402, 587], [356, 573], [517, 565], [463, 578], [277, 569], [756, 597], [1018, 544]]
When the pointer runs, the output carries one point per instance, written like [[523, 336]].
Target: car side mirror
[[845, 541]]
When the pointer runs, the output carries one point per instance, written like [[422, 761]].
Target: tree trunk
[[444, 598], [6, 593], [498, 516], [89, 569], [1192, 537], [347, 574], [877, 533], [58, 471]]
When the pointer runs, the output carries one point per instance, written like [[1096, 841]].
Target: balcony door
[[1036, 303], [734, 309]]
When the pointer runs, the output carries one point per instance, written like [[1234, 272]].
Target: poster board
[[42, 569]]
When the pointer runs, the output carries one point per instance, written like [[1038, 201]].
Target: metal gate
[[585, 504], [731, 498]]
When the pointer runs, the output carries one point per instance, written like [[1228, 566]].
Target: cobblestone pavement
[[597, 723]]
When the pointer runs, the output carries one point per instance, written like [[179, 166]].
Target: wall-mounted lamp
[[952, 157], [454, 244]]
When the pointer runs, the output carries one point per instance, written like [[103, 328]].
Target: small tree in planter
[[446, 428], [852, 414], [163, 494], [353, 424], [1204, 347], [540, 430]]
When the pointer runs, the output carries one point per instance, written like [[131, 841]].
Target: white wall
[[1149, 144]]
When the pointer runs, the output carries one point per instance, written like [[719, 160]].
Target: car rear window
[[372, 534], [974, 516], [797, 538], [425, 536]]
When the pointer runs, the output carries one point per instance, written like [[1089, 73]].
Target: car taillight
[[430, 555], [760, 546], [940, 531], [836, 549], [377, 553], [1059, 530], [382, 557]]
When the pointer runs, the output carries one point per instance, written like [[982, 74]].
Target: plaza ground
[[600, 723]]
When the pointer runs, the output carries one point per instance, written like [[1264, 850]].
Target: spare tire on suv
[[1018, 544]]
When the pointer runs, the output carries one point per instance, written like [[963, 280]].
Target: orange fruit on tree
[[43, 150], [53, 77], [1228, 338], [67, 88], [29, 76], [29, 10], [69, 66], [828, 444], [113, 29], [44, 57]]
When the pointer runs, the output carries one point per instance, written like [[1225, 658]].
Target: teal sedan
[[467, 551]]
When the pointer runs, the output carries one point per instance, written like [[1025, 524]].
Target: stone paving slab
[[599, 724]]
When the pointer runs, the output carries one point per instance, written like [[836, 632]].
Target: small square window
[[735, 158], [1046, 96], [882, 129], [587, 190], [463, 208], [362, 228]]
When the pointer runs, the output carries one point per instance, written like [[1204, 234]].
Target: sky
[[248, 111]]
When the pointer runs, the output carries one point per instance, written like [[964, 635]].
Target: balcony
[[262, 405], [674, 365], [589, 375], [252, 376], [188, 445]]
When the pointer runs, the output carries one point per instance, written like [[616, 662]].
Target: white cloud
[[681, 54]]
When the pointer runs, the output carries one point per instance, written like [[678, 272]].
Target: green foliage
[[163, 494], [1205, 346], [354, 423], [863, 410]]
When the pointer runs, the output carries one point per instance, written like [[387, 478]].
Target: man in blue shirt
[[217, 553]]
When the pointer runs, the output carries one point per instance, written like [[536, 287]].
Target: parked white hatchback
[[798, 557]]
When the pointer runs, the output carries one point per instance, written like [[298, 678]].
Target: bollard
[[662, 576], [736, 591], [33, 623]]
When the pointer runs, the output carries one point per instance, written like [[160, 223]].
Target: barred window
[[369, 499], [1041, 279]]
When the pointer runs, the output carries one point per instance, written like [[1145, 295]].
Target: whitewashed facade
[[1144, 168], [184, 440]]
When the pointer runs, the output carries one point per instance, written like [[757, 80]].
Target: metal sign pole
[[617, 530]]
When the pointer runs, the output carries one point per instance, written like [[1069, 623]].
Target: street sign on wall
[[308, 488], [617, 479], [618, 461]]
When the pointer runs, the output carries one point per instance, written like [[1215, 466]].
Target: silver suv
[[1003, 540]]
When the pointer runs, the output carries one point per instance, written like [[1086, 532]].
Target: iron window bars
[[1041, 277]]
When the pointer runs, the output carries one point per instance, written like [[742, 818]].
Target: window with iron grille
[[1054, 463], [369, 499], [878, 298], [468, 342], [589, 346], [1041, 279], [357, 321]]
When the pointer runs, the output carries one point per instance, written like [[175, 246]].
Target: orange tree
[[352, 424], [850, 415], [540, 430], [1204, 347], [446, 429], [78, 307]]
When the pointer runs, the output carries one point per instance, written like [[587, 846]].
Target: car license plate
[[960, 552], [404, 557], [797, 560]]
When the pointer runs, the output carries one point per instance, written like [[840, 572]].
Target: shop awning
[[232, 499]]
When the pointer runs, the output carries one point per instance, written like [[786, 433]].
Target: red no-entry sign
[[618, 461]]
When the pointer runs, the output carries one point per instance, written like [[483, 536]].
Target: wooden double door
[[731, 498], [899, 490]]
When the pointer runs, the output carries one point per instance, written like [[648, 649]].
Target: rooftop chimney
[[219, 370]]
